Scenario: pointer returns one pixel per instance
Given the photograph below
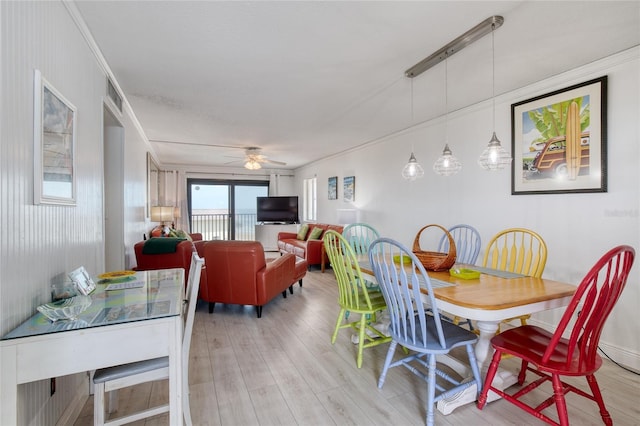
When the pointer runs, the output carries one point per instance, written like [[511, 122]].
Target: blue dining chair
[[468, 243], [413, 328]]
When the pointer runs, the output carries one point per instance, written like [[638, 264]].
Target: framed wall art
[[54, 145], [349, 190], [559, 141], [333, 188]]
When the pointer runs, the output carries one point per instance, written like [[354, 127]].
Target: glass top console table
[[120, 326]]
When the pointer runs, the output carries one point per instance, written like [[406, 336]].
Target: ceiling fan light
[[252, 165]]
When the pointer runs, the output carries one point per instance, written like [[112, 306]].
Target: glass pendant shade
[[412, 170], [447, 164], [494, 156]]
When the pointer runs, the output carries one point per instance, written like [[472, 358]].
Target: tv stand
[[267, 233]]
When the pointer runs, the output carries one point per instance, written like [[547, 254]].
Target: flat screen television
[[277, 209]]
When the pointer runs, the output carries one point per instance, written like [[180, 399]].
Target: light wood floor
[[281, 369]]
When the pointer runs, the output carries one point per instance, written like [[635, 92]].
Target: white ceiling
[[304, 80]]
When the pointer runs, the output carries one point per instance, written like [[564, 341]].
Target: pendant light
[[446, 164], [494, 156], [412, 170]]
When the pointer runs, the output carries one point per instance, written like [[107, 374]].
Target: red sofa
[[307, 249], [238, 273]]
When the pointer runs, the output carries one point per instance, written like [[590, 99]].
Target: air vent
[[114, 95]]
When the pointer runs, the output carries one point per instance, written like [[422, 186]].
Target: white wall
[[578, 228], [39, 244]]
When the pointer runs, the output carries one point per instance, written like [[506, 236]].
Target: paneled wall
[[39, 244], [578, 228]]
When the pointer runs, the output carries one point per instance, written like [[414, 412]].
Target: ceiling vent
[[113, 94]]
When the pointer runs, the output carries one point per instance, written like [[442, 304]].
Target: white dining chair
[[109, 380]]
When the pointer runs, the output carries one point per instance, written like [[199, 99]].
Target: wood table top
[[491, 292]]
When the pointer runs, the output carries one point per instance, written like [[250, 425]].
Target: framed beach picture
[[559, 141], [349, 190], [333, 188], [54, 145]]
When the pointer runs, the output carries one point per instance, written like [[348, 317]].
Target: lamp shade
[[161, 213], [176, 213]]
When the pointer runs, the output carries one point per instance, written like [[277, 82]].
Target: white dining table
[[493, 297], [120, 326]]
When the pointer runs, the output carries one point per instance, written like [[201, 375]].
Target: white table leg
[[484, 352], [8, 386]]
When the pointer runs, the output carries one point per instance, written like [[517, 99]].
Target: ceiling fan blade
[[282, 163], [234, 161]]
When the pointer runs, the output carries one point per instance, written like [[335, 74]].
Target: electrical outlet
[[52, 386]]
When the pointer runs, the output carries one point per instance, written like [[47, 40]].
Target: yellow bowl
[[465, 274]]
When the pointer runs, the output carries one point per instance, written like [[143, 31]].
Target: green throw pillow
[[315, 233], [302, 233]]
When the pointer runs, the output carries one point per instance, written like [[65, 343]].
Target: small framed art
[[82, 280], [349, 189], [54, 145], [333, 188]]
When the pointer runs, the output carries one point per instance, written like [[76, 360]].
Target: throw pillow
[[302, 233], [315, 233]]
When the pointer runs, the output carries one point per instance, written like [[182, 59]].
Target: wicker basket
[[435, 261]]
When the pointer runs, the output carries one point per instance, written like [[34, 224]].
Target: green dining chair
[[353, 295]]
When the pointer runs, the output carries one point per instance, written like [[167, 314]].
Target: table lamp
[[162, 214]]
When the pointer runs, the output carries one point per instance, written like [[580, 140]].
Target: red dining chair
[[551, 356]]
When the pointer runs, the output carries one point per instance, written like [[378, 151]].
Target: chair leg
[[523, 372], [363, 327], [211, 306], [431, 389], [186, 406], [98, 404], [387, 362], [300, 282], [335, 332], [491, 372], [284, 294], [112, 404], [259, 311], [595, 389], [561, 404], [291, 289]]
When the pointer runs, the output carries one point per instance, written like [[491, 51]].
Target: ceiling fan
[[253, 159]]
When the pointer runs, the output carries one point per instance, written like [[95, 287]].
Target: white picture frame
[[82, 280], [54, 132]]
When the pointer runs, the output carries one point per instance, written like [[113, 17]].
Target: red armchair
[[181, 258], [237, 273]]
